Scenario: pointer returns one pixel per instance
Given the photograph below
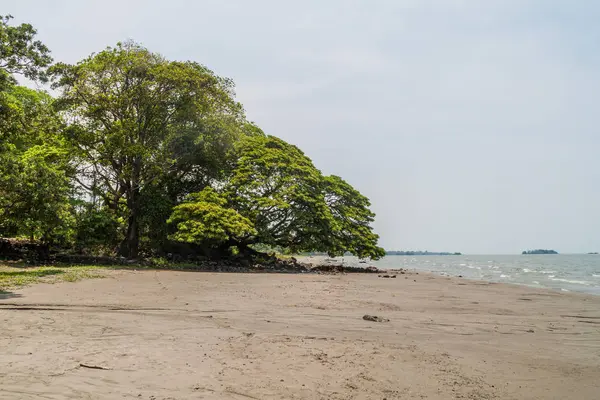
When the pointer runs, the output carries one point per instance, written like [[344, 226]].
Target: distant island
[[540, 251], [594, 252], [420, 253]]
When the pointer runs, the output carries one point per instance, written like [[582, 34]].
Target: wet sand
[[188, 335]]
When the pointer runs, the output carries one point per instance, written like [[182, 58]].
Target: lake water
[[577, 273]]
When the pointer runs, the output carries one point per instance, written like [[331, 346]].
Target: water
[[577, 272]]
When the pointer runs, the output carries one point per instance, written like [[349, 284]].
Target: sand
[[189, 335]]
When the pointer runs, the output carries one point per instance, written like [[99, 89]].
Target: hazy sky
[[471, 125]]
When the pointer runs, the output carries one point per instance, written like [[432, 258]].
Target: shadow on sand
[[8, 295]]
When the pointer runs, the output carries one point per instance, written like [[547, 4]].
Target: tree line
[[138, 155]]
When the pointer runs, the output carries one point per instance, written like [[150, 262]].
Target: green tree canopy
[[20, 53], [350, 229], [34, 168], [291, 205], [138, 149], [145, 128], [204, 218]]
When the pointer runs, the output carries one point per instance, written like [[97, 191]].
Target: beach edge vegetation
[[139, 156]]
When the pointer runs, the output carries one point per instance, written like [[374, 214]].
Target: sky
[[472, 125]]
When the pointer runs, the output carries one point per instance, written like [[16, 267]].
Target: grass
[[14, 275]]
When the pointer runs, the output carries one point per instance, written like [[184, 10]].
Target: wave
[[575, 282]]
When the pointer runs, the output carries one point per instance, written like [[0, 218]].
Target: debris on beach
[[90, 366], [338, 269], [374, 318]]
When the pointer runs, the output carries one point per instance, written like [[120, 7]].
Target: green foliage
[[350, 227], [97, 230], [35, 184], [20, 53], [205, 218], [138, 149], [292, 205], [139, 120], [278, 188]]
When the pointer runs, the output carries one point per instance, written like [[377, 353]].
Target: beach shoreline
[[177, 334], [563, 272]]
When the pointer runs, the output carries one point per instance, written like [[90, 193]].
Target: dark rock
[[374, 318]]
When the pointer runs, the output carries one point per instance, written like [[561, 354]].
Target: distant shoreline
[[421, 253]]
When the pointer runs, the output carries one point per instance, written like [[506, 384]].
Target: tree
[[34, 168], [279, 189], [204, 219], [34, 182], [351, 229], [20, 53], [145, 128], [289, 203]]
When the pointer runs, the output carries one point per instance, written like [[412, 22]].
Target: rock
[[374, 318], [393, 276]]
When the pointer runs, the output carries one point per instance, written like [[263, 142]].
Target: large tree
[[146, 130], [289, 203]]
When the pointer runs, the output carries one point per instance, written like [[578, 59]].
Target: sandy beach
[[158, 335]]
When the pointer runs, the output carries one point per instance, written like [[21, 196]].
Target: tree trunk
[[130, 246]]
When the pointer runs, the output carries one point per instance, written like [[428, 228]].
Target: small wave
[[547, 272], [575, 282], [536, 282], [596, 275], [564, 290], [504, 276], [462, 265], [551, 276], [526, 270]]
